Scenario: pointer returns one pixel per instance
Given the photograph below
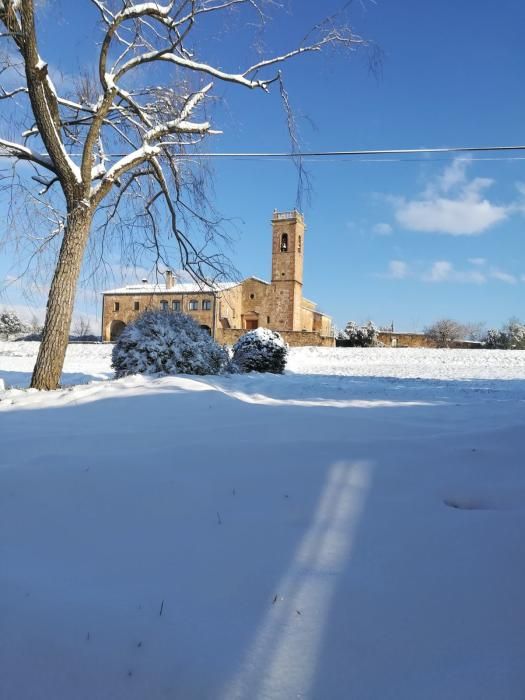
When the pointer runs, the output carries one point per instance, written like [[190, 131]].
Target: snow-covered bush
[[360, 336], [10, 324], [516, 334], [260, 350], [161, 342], [496, 340], [510, 337]]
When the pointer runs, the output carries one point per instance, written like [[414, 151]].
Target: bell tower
[[287, 269]]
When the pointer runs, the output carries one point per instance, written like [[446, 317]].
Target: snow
[[353, 528], [126, 162], [177, 288]]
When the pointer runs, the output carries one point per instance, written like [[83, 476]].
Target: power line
[[357, 153], [354, 154]]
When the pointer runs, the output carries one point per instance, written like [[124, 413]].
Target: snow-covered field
[[353, 529]]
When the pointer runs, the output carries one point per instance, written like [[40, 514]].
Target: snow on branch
[[15, 150]]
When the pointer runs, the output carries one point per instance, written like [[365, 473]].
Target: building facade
[[228, 310]]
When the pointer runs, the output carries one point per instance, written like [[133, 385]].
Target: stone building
[[227, 310]]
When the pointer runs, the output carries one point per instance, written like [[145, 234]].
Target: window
[[175, 305], [136, 306], [267, 319], [252, 296], [206, 305], [284, 243], [164, 305], [299, 244], [116, 306], [193, 305]]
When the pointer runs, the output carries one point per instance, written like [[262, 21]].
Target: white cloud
[[471, 277], [397, 269], [451, 204], [454, 174], [503, 276], [444, 271], [439, 272], [465, 216], [382, 229]]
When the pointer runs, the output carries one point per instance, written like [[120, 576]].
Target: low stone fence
[[412, 340], [229, 336]]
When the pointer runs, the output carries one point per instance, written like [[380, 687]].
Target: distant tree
[[360, 336], [445, 331], [35, 327], [387, 329], [82, 328], [495, 339], [510, 337], [515, 331], [10, 324], [475, 331]]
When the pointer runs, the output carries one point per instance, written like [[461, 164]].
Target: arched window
[[299, 244], [193, 305], [284, 243]]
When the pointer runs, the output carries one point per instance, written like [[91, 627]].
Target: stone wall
[[293, 338], [413, 340], [404, 340]]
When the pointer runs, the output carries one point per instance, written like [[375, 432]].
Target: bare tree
[[71, 142], [82, 328], [475, 330], [445, 331]]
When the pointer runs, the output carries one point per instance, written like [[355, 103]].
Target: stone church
[[227, 310]]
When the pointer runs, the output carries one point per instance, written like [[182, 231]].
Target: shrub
[[10, 324], [496, 340], [161, 342], [260, 350], [359, 336]]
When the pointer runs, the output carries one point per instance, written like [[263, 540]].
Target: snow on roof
[[258, 279], [309, 303], [178, 288]]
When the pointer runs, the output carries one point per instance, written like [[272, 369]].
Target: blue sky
[[404, 239]]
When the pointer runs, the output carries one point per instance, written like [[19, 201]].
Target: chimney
[[170, 279]]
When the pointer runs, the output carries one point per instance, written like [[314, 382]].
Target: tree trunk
[[55, 336]]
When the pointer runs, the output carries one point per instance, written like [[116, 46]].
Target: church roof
[[177, 288]]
